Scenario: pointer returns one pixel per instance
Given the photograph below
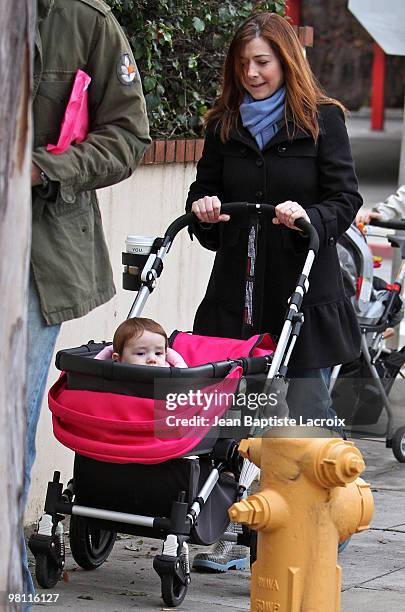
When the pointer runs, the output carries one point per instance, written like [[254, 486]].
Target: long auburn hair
[[303, 92]]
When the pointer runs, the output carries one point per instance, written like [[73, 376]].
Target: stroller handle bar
[[240, 207], [395, 225], [294, 317]]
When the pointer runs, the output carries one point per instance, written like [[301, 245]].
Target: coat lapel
[[241, 134]]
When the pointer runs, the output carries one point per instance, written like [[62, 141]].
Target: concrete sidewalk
[[373, 563], [376, 154]]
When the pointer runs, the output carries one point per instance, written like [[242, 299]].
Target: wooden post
[[377, 92], [16, 36], [293, 11]]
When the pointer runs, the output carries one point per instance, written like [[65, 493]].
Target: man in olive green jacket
[[69, 259], [70, 269]]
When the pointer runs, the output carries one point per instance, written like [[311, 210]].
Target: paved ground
[[374, 562], [376, 155]]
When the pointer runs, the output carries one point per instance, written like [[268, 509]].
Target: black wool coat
[[321, 178]]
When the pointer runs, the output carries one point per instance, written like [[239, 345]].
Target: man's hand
[[365, 216], [35, 175]]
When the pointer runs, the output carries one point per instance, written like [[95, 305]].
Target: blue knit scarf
[[261, 117]]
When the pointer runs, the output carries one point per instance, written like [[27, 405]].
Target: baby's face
[[147, 349]]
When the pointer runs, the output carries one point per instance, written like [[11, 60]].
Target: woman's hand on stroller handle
[[208, 210], [297, 215], [288, 213], [226, 210], [302, 222]]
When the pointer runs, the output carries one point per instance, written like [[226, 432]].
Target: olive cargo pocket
[[49, 108]]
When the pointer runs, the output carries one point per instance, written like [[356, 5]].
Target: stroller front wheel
[[398, 444], [47, 572], [90, 545], [173, 590]]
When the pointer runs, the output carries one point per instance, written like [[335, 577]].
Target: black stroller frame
[[374, 353], [93, 530]]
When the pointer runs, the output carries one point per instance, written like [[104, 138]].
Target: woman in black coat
[[304, 167], [274, 137]]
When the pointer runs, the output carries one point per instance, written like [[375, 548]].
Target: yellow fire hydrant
[[310, 499]]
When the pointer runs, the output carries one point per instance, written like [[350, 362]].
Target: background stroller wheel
[[173, 590], [90, 545], [398, 444], [47, 572]]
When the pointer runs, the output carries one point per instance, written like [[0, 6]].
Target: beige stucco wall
[[145, 204]]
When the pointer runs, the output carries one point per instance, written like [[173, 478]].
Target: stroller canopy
[[108, 411]]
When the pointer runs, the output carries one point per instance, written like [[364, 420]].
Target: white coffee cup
[[139, 245]]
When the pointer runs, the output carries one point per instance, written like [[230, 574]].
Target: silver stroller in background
[[361, 390]]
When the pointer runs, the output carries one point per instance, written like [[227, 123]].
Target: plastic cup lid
[[140, 240]]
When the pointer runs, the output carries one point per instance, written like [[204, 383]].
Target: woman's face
[[262, 73]]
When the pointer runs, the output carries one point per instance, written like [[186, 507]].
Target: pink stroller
[[133, 472]]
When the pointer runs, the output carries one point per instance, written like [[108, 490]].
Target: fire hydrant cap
[[338, 463], [353, 465], [241, 512]]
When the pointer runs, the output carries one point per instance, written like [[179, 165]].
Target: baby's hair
[[134, 328]]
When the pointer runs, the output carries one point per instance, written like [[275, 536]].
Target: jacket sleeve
[[393, 208], [118, 131], [339, 196], [208, 183]]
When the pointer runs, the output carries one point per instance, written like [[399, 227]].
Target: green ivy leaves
[[198, 24]]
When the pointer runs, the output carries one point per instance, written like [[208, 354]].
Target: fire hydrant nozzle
[[265, 511], [251, 449]]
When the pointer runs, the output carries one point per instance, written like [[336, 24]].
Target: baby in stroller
[[142, 341]]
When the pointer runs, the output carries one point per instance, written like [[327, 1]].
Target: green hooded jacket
[[69, 257]]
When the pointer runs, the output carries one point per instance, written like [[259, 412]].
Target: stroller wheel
[[398, 444], [90, 545], [47, 572], [173, 590]]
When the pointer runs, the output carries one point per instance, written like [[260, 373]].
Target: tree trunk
[[16, 36]]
